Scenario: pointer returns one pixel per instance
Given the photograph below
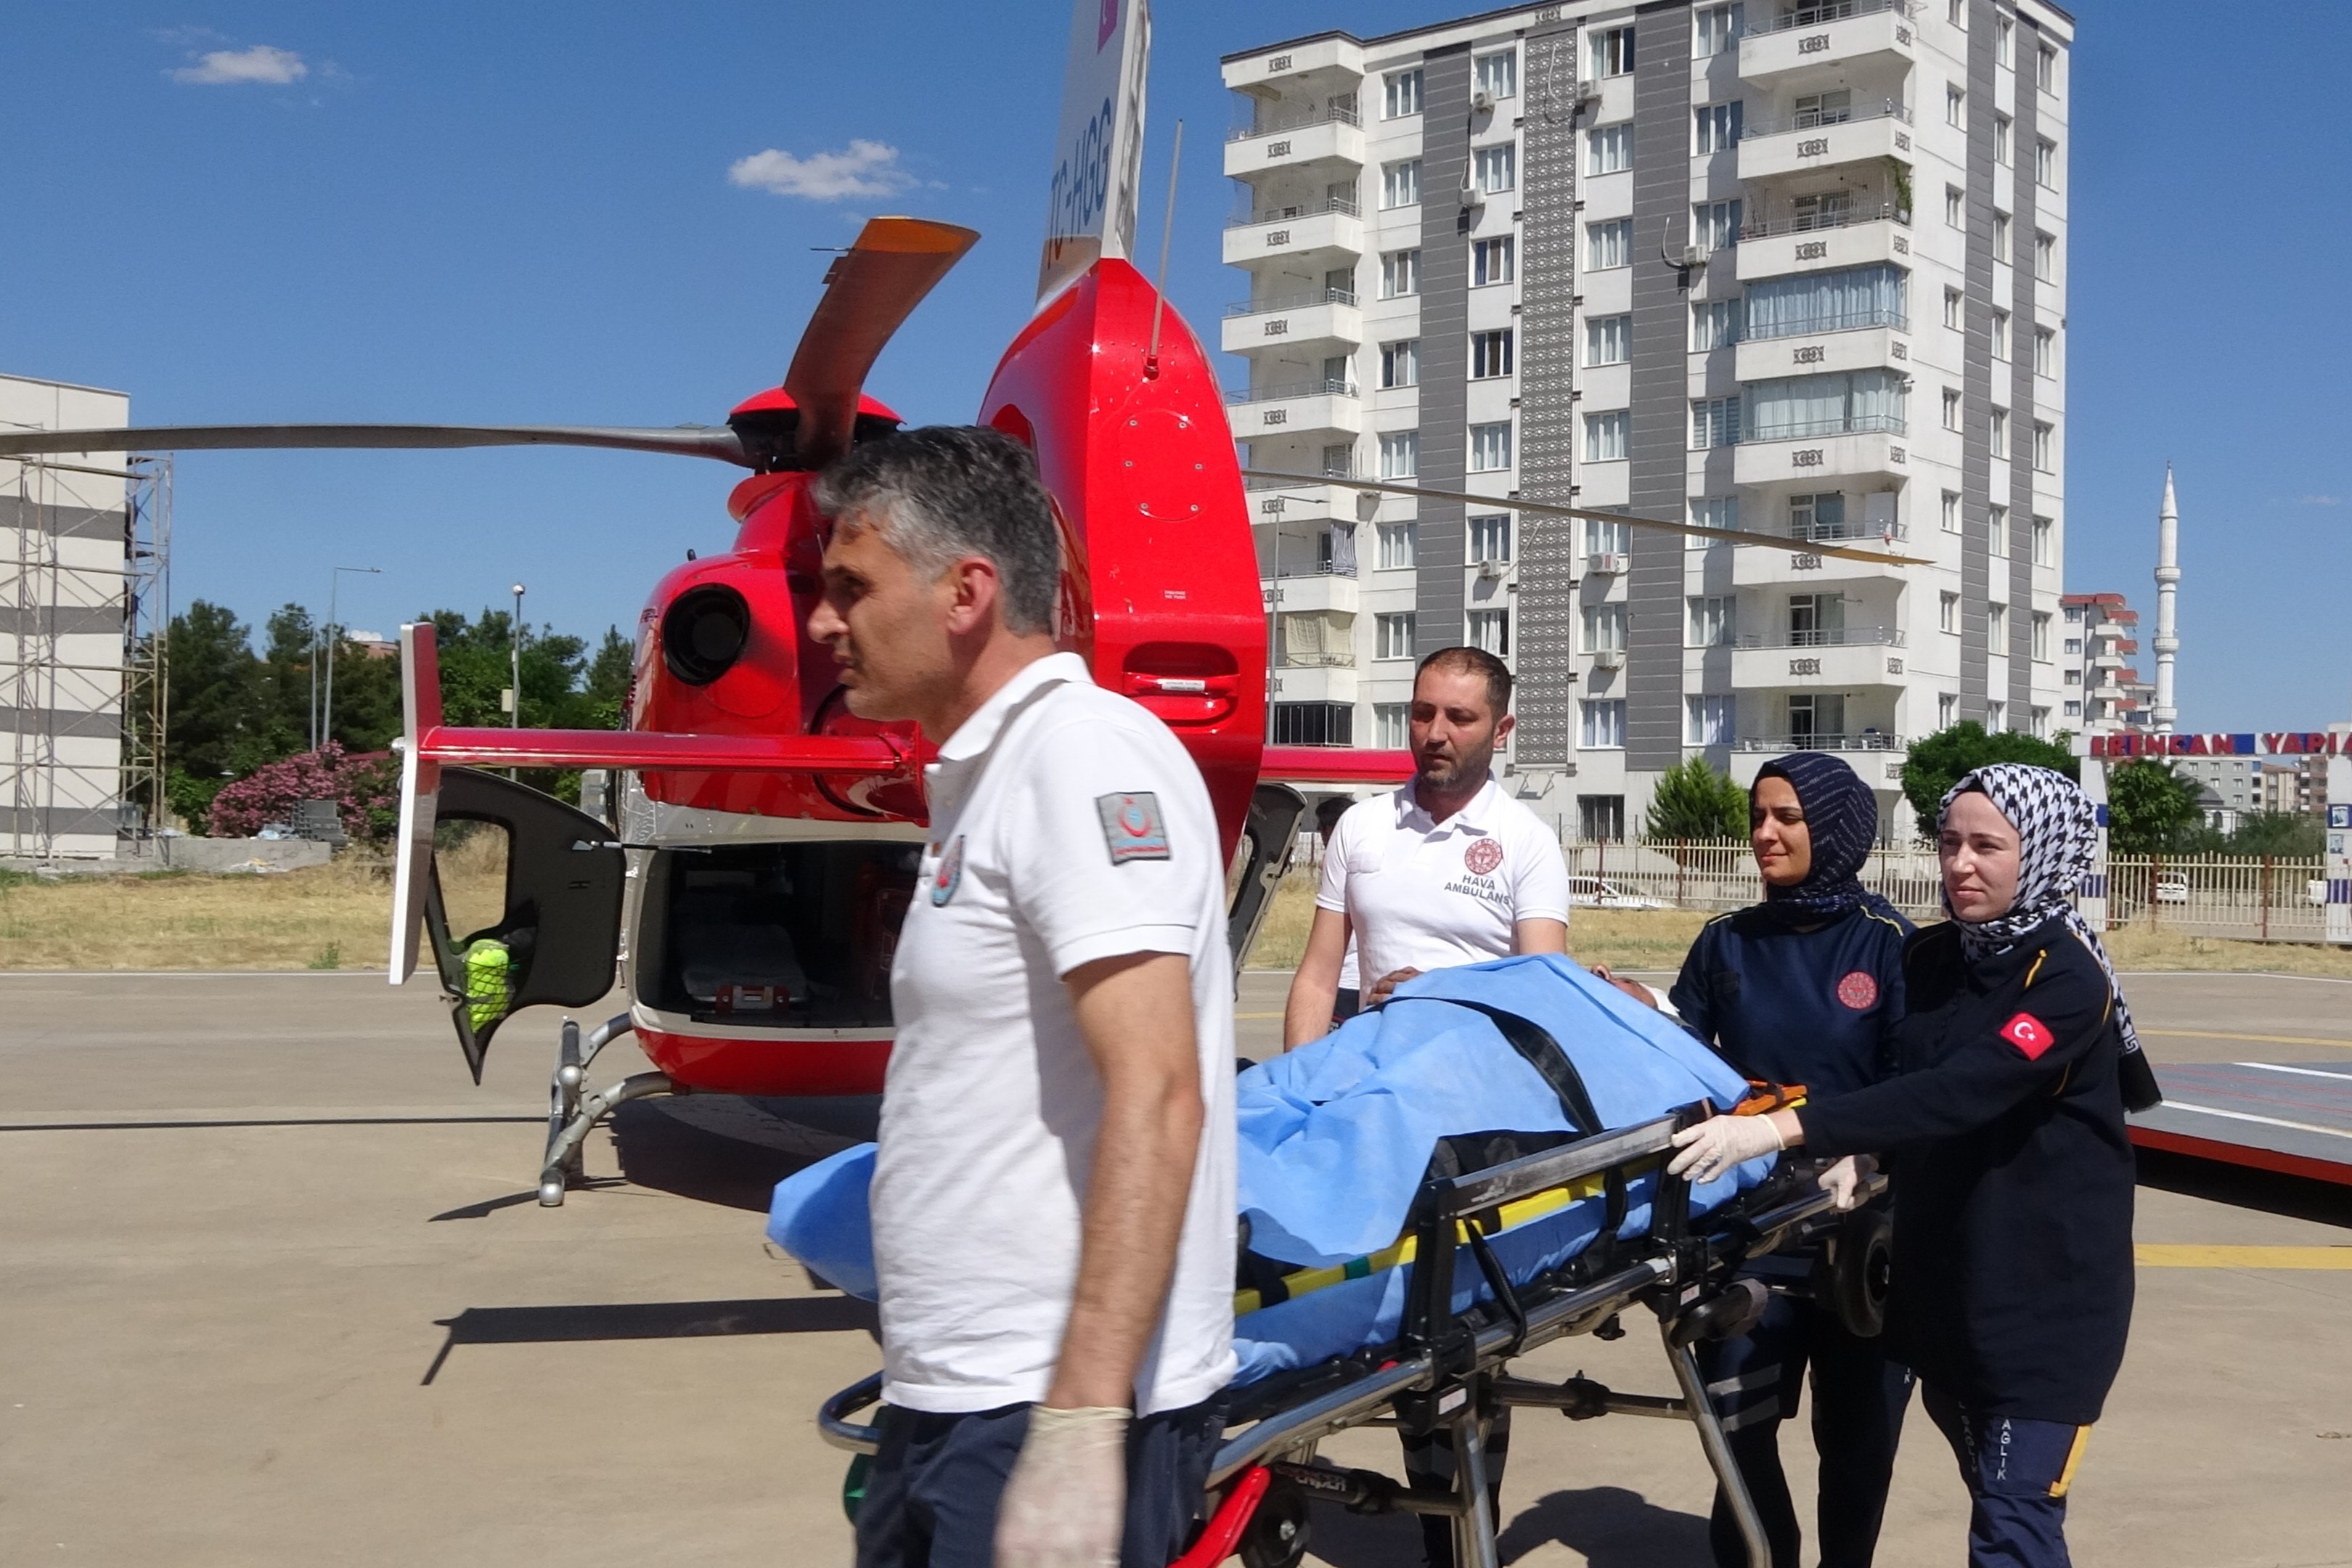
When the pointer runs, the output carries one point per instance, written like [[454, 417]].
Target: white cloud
[[2319, 500], [862, 169], [229, 67]]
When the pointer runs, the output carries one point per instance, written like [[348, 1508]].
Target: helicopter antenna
[[1167, 226]]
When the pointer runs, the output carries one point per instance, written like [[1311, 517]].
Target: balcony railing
[[1307, 301], [1814, 119], [1346, 204], [1305, 481], [1810, 223], [1322, 386], [1296, 120], [1868, 741], [1316, 661], [1835, 322], [1832, 11], [1852, 424], [1886, 532], [1825, 637]]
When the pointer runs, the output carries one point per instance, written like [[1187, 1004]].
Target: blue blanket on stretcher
[[1336, 1139]]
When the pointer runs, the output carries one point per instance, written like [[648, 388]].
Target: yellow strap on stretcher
[[1535, 1205]]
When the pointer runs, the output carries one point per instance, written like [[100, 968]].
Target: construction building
[[1795, 271], [2104, 692]]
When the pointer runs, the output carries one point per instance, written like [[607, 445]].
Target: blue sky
[[461, 211]]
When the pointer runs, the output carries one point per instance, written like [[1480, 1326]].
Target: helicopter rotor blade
[[1546, 509], [685, 440], [869, 291]]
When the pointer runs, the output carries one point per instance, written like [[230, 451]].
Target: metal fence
[[2269, 898]]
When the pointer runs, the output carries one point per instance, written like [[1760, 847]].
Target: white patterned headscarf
[[2058, 836]]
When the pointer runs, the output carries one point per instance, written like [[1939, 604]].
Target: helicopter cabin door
[[542, 927]]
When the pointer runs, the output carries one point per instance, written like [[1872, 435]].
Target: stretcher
[[1466, 1315]]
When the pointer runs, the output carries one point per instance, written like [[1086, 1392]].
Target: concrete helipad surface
[[273, 1289]]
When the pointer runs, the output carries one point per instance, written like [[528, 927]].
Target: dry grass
[[335, 916], [2136, 947]]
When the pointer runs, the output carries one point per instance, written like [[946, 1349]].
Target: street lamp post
[[333, 639], [514, 645]]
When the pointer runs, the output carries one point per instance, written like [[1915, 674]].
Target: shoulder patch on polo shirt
[[948, 877], [2029, 1035], [1132, 827], [1481, 856]]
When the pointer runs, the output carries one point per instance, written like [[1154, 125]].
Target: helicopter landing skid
[[571, 1115]]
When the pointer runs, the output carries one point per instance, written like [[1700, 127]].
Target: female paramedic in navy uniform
[[1804, 988], [2004, 1132]]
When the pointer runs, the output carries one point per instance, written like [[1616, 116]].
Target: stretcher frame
[[1450, 1370]]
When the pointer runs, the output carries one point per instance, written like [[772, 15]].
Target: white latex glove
[[1065, 1502], [1720, 1142], [1844, 1180]]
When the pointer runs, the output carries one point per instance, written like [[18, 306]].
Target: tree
[[209, 678], [2151, 809], [362, 791], [1935, 763], [609, 674], [2279, 833], [1693, 801]]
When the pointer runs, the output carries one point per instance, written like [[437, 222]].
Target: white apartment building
[[2104, 694], [1794, 270]]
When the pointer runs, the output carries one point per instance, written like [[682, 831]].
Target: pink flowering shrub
[[364, 789]]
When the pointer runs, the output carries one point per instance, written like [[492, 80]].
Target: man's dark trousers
[[2017, 1472], [931, 1496]]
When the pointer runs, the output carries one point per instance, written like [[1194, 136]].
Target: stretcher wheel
[[1863, 1272], [1276, 1536]]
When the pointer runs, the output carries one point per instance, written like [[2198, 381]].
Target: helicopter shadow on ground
[[1610, 1527]]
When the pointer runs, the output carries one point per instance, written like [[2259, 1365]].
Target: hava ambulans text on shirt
[[1481, 858]]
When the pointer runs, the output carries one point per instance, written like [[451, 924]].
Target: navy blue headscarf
[[1841, 815]]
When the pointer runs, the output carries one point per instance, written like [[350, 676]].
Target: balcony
[[1861, 740], [1826, 349], [1837, 660], [1817, 241], [1295, 682], [1791, 565], [1839, 34], [1331, 227], [1307, 587], [1320, 407], [1315, 317], [1296, 141], [1883, 132]]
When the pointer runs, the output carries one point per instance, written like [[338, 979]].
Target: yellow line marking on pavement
[[2168, 1254], [2266, 1039]]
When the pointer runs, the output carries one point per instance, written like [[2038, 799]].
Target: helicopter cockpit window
[[470, 858], [795, 935]]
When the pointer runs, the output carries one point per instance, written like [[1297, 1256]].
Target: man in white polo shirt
[[1447, 870], [1052, 1197]]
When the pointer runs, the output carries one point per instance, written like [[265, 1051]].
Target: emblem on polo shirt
[[2029, 1035], [1482, 856], [1859, 991], [949, 875], [1132, 827]]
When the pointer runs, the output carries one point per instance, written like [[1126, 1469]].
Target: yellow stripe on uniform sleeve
[[2073, 1457]]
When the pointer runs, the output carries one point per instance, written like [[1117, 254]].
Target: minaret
[[2168, 584]]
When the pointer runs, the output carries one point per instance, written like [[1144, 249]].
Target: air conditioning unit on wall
[[1609, 658]]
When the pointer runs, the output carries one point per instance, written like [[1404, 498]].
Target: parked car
[[1593, 893], [2172, 889]]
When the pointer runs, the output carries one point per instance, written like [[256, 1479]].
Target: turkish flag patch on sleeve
[[2029, 1035]]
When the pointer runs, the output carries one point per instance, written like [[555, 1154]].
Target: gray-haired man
[[1052, 1197]]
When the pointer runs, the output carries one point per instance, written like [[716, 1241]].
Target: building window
[[1604, 730], [1493, 261], [1951, 511], [1715, 325], [2045, 448], [1490, 538], [2045, 68], [2045, 164], [1393, 636], [1715, 422], [2000, 139], [1400, 183], [1604, 629], [1490, 631], [1608, 340], [1816, 719], [1612, 148], [2041, 635], [1715, 511], [1402, 94], [2000, 31], [1391, 728], [1396, 543], [1400, 455], [1400, 274], [1948, 611], [2072, 677], [2045, 351], [2038, 720], [2073, 646], [1719, 126], [1339, 460], [1996, 532], [1848, 402], [1818, 516], [1838, 301], [2045, 257], [1314, 723], [1612, 51], [1947, 710], [1718, 29], [1955, 106], [1498, 168], [2044, 541], [2001, 334], [1713, 620], [1601, 816], [1490, 353], [1715, 226], [1955, 12], [1490, 447], [1709, 720], [1955, 207], [1997, 629], [2001, 237], [1951, 408], [1602, 537], [2073, 709], [2000, 433], [1952, 299], [1497, 75], [1608, 244], [1604, 435], [1401, 363], [1996, 716]]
